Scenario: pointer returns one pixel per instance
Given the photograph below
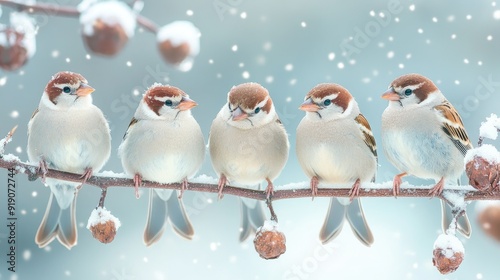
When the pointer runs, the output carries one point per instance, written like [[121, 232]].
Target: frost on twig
[[6, 140]]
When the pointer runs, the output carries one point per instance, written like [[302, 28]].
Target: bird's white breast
[[70, 140], [163, 151], [334, 151], [248, 156], [414, 142]]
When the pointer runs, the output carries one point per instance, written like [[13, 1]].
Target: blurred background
[[288, 47]]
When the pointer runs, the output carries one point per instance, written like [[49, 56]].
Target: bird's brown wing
[[365, 128], [133, 121], [453, 126]]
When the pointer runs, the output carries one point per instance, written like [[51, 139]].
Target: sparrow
[[335, 145], [163, 144], [423, 135], [248, 144], [68, 133]]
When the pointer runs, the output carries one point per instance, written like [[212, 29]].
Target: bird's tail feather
[[251, 219], [58, 223], [158, 212], [178, 217], [356, 218], [333, 222]]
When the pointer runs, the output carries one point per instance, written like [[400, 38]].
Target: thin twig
[[104, 191], [269, 203]]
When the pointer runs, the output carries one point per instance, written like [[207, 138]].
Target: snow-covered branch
[[106, 27], [208, 184], [68, 11]]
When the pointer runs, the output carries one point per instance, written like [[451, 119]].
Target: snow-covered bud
[[179, 43], [269, 242], [482, 166], [489, 219], [448, 253], [103, 225], [106, 26], [17, 43]]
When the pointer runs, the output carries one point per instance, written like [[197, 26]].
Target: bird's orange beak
[[309, 106], [391, 95], [239, 115], [186, 104], [84, 90]]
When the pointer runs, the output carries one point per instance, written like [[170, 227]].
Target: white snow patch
[[489, 129], [10, 157], [486, 151], [204, 179], [20, 169], [269, 225], [455, 198], [449, 244], [101, 215], [179, 32], [24, 24], [109, 173], [110, 12]]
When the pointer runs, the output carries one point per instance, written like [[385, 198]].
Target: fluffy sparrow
[[67, 132], [335, 145], [248, 144], [164, 144], [423, 135]]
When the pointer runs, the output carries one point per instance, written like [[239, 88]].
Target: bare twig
[[104, 191], [269, 203], [59, 10]]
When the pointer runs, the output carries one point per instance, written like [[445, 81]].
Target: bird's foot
[[137, 184], [221, 185], [184, 186], [354, 192], [437, 189], [314, 186], [270, 189]]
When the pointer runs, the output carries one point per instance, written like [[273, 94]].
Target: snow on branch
[[59, 10], [208, 184]]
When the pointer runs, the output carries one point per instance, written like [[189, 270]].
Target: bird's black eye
[[66, 89], [257, 110], [168, 102], [408, 92], [327, 102]]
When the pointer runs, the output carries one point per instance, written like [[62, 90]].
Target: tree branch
[[370, 189], [58, 10]]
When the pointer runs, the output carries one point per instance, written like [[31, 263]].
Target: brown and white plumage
[[248, 144], [66, 132], [164, 144], [335, 145], [423, 134]]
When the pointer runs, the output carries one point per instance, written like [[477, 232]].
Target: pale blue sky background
[[289, 47]]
